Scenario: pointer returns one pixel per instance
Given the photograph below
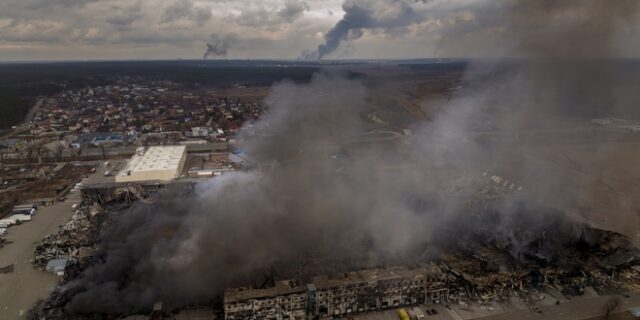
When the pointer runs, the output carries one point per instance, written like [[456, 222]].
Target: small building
[[207, 172], [199, 131], [162, 163]]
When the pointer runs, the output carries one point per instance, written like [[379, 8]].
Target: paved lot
[[572, 310], [20, 289], [579, 309], [99, 177], [443, 314]]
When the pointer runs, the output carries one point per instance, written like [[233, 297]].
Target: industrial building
[[162, 163], [347, 293]]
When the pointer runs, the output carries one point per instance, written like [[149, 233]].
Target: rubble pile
[[125, 195], [74, 240], [493, 256], [519, 255]]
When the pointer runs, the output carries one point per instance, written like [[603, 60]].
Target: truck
[[403, 315], [30, 211], [7, 222], [20, 217], [25, 206]]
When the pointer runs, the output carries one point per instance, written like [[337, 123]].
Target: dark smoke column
[[360, 15], [217, 47]]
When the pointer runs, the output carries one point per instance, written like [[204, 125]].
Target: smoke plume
[[360, 15], [217, 47], [303, 213], [332, 194], [566, 67]]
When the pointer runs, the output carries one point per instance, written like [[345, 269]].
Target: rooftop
[[284, 287], [155, 158]]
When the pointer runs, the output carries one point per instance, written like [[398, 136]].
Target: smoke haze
[[307, 213], [312, 215]]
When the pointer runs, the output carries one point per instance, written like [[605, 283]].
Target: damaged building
[[342, 294]]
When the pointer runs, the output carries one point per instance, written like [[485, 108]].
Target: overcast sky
[[236, 29]]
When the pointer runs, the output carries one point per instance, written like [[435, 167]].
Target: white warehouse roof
[[156, 163]]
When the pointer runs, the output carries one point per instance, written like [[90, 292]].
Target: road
[[20, 289]]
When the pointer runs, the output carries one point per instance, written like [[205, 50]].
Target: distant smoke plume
[[361, 15], [217, 47]]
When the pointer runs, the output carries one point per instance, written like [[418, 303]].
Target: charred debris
[[494, 258]]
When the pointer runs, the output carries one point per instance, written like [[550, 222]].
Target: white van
[[418, 313]]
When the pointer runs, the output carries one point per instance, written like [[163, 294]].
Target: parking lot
[[102, 167], [20, 289], [24, 285], [590, 307]]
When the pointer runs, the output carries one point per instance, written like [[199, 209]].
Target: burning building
[[341, 294]]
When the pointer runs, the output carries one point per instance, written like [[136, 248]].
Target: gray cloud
[[41, 4], [186, 10], [521, 28], [292, 10], [159, 29], [265, 29], [125, 16], [124, 19], [275, 18]]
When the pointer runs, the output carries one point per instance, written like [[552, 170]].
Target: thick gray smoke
[[325, 198], [217, 47], [303, 213], [360, 15], [535, 111]]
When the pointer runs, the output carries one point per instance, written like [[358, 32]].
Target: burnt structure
[[346, 293]]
